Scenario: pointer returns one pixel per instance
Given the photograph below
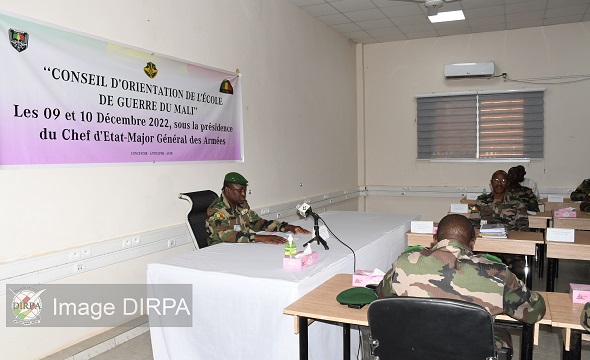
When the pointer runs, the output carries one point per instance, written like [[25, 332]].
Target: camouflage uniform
[[582, 192], [225, 224], [510, 212], [527, 196], [450, 270], [585, 318]]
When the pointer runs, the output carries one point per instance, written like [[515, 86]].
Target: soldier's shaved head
[[456, 227]]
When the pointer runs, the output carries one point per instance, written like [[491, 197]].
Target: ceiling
[[375, 21]]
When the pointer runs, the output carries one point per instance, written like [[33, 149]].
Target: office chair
[[195, 219], [430, 328]]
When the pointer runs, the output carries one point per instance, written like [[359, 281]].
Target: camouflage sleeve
[[582, 192], [585, 318], [521, 303], [533, 202], [522, 217], [259, 224], [220, 230], [384, 289]]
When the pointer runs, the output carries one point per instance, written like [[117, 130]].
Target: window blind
[[481, 126]]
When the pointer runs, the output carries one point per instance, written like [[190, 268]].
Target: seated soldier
[[230, 219], [451, 270], [502, 207], [582, 193], [525, 193]]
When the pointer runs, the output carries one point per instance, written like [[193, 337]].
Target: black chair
[[195, 219], [430, 328]]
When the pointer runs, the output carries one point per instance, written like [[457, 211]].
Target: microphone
[[304, 209]]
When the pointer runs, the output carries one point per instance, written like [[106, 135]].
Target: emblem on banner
[[18, 39], [26, 306], [150, 70], [226, 87]]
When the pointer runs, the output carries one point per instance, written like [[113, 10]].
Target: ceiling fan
[[431, 5]]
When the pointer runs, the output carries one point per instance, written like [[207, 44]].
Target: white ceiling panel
[[374, 21]]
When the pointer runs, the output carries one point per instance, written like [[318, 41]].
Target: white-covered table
[[240, 290]]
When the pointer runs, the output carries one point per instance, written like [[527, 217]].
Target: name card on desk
[[460, 208], [554, 198], [472, 196], [562, 235], [422, 227]]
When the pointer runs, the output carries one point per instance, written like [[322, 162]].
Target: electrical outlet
[[126, 243], [86, 252], [326, 196], [171, 243], [78, 267], [331, 201], [264, 211], [278, 215], [136, 240], [74, 254]]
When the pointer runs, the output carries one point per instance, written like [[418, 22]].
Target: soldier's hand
[[270, 239], [296, 229]]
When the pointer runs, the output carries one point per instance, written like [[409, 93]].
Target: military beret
[[414, 248], [356, 296], [235, 178], [492, 258]]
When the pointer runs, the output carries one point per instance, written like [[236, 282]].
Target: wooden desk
[[550, 206], [540, 220], [518, 242], [566, 315], [578, 250], [321, 304], [581, 222]]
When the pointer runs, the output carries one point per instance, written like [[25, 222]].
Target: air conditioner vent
[[469, 70]]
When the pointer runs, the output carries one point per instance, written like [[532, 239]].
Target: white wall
[[299, 102], [397, 71]]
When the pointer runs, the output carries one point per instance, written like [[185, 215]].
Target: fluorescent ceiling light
[[447, 16]]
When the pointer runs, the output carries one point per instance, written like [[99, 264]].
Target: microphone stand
[[316, 231]]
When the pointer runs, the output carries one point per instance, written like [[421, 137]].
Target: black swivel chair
[[195, 219], [430, 328]]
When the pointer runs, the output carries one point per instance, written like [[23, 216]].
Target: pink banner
[[66, 98]]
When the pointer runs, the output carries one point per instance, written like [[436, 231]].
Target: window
[[482, 125]]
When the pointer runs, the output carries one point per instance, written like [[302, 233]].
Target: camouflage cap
[[235, 178], [356, 296]]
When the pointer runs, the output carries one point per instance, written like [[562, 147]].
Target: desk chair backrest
[[195, 219], [430, 328]]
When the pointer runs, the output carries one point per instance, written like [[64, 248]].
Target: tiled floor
[[550, 342], [138, 348]]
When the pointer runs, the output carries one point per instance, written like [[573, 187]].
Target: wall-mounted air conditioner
[[469, 70]]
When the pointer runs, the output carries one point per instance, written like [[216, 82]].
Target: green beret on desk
[[356, 297]]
